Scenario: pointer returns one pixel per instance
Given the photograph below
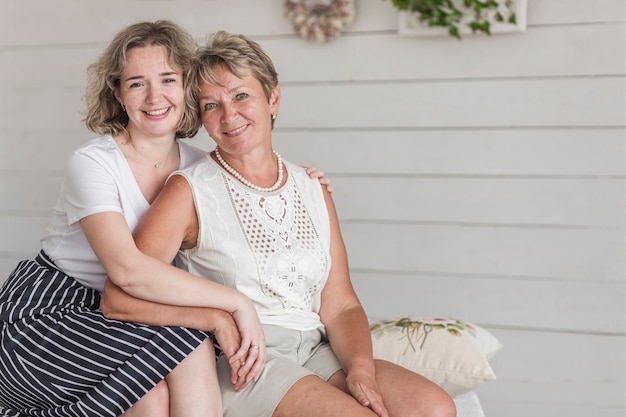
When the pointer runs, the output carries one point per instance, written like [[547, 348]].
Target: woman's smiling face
[[152, 92], [236, 113]]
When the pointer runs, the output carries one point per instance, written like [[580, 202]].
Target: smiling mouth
[[236, 131], [159, 112]]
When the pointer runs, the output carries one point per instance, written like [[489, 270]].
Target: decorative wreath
[[320, 22]]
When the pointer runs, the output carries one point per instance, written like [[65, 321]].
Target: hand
[[226, 332], [364, 389], [248, 361], [315, 173], [229, 339]]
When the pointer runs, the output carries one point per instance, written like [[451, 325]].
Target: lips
[[159, 112], [237, 131]]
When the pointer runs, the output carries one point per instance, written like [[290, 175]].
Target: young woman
[[59, 356]]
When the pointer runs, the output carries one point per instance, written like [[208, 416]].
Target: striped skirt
[[59, 356]]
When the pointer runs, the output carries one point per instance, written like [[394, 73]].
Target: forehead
[[148, 57], [226, 80]]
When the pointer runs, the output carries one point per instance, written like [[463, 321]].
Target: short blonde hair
[[104, 115], [242, 56]]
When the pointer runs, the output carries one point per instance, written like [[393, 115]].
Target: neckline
[[230, 176]]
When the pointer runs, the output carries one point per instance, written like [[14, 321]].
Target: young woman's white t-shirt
[[98, 179]]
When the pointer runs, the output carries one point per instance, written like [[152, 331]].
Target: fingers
[[371, 399], [317, 174], [248, 367], [259, 362], [313, 172]]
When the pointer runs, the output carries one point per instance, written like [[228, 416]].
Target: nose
[[152, 93], [229, 113]]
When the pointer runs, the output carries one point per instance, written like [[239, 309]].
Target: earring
[[123, 107], [274, 116]]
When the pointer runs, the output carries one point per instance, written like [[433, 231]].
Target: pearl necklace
[[240, 177]]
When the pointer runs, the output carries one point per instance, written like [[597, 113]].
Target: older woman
[[245, 218]]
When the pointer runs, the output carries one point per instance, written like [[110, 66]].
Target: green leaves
[[476, 14]]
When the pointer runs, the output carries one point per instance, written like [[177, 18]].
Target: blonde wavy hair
[[104, 114]]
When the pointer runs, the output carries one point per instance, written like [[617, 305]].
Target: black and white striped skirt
[[59, 356]]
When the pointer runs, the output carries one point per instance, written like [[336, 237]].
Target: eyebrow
[[163, 74], [229, 91]]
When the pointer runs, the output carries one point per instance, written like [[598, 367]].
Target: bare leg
[[193, 385], [405, 393], [191, 389], [156, 403], [313, 397]]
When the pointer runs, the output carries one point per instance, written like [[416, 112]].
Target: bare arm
[[118, 305], [149, 290], [346, 323]]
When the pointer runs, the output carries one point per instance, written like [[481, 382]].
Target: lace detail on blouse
[[290, 259]]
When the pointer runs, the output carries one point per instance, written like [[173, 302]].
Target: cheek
[[209, 121], [131, 101], [179, 96]]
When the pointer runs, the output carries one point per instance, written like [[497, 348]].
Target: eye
[[169, 80], [209, 106], [135, 85], [241, 96]]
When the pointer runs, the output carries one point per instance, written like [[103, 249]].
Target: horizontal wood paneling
[[30, 152], [495, 103], [508, 201], [552, 51], [561, 152], [553, 357], [549, 374], [577, 254], [23, 234], [514, 302]]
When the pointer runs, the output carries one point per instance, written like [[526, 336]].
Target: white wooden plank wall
[[480, 179]]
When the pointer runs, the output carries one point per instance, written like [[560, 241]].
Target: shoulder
[[299, 175], [101, 144], [98, 151], [310, 188], [296, 170]]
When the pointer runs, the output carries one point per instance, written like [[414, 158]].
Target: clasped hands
[[241, 338]]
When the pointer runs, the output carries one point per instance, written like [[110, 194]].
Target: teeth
[[157, 112], [234, 132]]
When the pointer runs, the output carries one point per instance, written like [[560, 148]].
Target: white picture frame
[[410, 25]]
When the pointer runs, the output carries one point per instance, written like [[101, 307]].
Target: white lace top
[[274, 247]]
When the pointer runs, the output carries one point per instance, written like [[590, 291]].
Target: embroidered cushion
[[452, 353]]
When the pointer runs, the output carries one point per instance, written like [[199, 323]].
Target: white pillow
[[452, 353]]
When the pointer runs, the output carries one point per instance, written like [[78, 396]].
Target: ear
[[117, 96], [275, 99]]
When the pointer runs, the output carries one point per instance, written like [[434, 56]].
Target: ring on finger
[[254, 347]]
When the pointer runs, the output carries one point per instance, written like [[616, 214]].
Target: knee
[[443, 406], [207, 347], [205, 355], [156, 403], [160, 396]]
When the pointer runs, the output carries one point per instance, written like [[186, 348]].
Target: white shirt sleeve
[[89, 187]]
